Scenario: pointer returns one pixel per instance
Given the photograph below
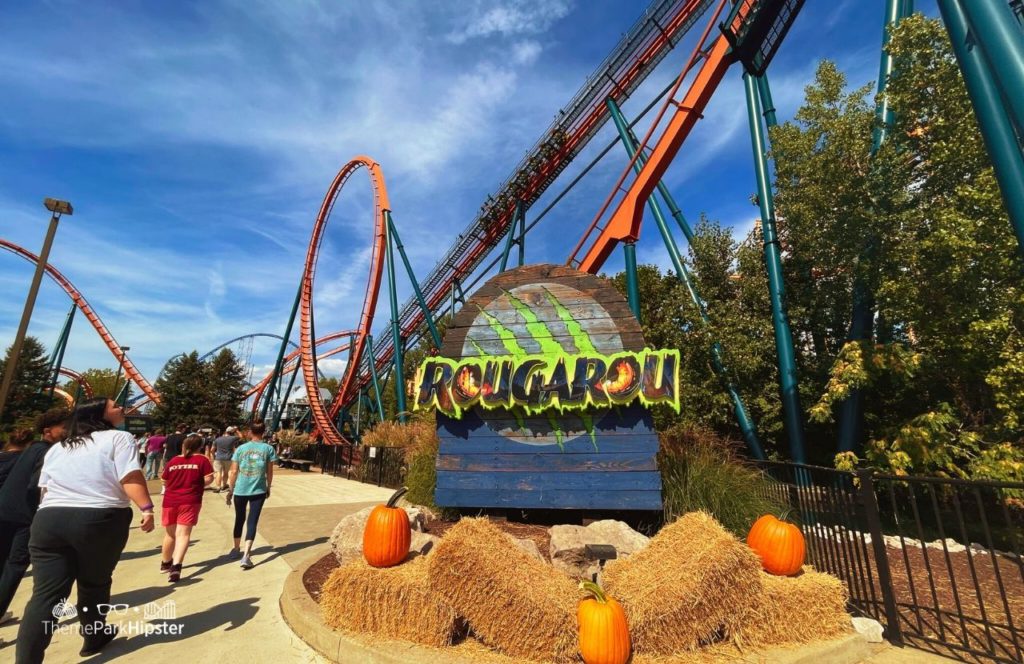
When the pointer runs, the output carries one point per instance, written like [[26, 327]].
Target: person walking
[[223, 449], [90, 480], [252, 473], [19, 500], [154, 454], [185, 477]]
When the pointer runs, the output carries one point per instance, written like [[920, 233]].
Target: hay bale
[[797, 609], [393, 602], [690, 586], [513, 602]]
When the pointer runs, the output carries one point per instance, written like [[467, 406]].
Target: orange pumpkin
[[387, 534], [604, 634], [779, 544]]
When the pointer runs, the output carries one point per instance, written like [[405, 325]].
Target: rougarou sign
[[541, 390]]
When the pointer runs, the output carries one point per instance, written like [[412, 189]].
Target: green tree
[[224, 389], [183, 392], [104, 382], [27, 396]]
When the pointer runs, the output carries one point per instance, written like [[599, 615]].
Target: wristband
[[147, 508]]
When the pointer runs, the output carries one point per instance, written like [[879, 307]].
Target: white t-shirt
[[90, 474]]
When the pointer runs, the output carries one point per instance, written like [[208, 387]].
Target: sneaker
[[101, 642], [246, 563], [165, 567], [175, 574], [234, 554]]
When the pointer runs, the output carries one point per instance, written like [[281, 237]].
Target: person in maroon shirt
[[184, 477]]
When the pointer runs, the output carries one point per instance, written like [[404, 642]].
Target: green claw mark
[[538, 330], [507, 336], [520, 420], [588, 424], [557, 429], [479, 350], [579, 336]]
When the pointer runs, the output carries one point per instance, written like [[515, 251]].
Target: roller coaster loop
[[78, 378], [307, 351], [83, 305]]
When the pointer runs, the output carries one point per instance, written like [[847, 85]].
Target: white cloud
[[526, 52], [510, 18]]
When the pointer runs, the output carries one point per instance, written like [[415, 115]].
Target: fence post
[[870, 503]]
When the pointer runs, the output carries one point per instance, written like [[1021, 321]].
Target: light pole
[[120, 368], [57, 208]]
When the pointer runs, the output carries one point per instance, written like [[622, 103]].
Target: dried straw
[[690, 586], [513, 602], [798, 609], [394, 602]]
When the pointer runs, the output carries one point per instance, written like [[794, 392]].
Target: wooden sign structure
[[596, 457]]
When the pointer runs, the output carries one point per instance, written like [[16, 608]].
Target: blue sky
[[196, 141]]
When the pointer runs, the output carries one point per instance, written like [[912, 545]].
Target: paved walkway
[[225, 614]]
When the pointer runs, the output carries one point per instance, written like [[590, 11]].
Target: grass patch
[[702, 471]]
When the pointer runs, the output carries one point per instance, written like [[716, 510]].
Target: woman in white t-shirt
[[89, 481]]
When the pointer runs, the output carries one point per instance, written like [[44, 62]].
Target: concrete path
[[220, 612]]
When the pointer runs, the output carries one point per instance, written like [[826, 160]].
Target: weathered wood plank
[[521, 481], [554, 499], [541, 462], [606, 443]]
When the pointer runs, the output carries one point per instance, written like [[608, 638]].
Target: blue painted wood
[[551, 499], [520, 481], [500, 445], [575, 463]]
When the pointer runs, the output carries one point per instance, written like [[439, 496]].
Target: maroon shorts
[[182, 515]]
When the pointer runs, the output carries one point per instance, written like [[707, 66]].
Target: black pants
[[255, 504], [69, 545], [13, 560]]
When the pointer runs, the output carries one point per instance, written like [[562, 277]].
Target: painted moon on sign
[[541, 323]]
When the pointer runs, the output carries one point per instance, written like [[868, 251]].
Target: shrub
[[420, 444], [299, 442], [703, 471]]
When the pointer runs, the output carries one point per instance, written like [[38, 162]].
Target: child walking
[[184, 477]]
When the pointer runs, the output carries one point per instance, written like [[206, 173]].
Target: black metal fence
[[936, 561], [383, 466]]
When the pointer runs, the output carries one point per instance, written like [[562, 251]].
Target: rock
[[869, 628], [530, 548], [951, 545], [347, 538], [568, 545], [422, 544], [418, 514], [894, 542]]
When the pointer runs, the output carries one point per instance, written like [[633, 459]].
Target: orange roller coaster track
[[78, 378], [76, 296], [323, 419]]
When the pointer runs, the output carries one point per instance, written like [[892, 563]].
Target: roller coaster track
[[78, 378], [649, 40], [292, 362], [76, 296]]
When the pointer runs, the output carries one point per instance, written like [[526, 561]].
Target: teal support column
[[279, 364], [993, 120], [396, 333], [764, 91], [862, 317], [57, 357], [518, 222], [373, 376], [792, 413], [743, 420], [632, 284], [996, 31], [460, 297], [429, 317]]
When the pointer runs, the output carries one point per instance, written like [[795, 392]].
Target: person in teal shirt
[[252, 473]]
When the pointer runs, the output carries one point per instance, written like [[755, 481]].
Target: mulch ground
[[950, 603]]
